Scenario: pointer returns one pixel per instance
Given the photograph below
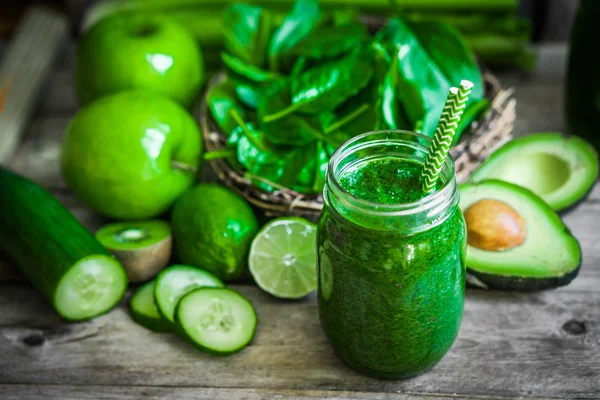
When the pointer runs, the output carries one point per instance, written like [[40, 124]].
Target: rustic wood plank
[[64, 392], [543, 344]]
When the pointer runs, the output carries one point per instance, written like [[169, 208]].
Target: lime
[[212, 229], [283, 258]]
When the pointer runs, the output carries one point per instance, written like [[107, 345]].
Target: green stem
[[236, 116], [346, 119], [281, 113], [219, 154], [381, 51], [183, 166], [298, 66], [250, 176], [326, 139]]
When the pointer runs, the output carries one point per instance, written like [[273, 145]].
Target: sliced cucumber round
[[92, 286], [177, 280], [218, 321], [144, 312]]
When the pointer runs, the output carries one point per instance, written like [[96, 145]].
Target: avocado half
[[548, 257], [561, 170]]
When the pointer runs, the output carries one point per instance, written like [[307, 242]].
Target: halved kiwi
[[142, 247]]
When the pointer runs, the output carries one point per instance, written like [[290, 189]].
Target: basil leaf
[[332, 41], [248, 71], [291, 129], [299, 23], [222, 101], [246, 31]]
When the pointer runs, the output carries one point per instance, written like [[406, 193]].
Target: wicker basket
[[480, 140]]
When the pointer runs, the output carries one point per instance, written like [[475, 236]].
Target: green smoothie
[[391, 284]]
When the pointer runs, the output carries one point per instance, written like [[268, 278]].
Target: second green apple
[[150, 52], [131, 154]]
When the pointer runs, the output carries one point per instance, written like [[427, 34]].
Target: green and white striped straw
[[444, 134]]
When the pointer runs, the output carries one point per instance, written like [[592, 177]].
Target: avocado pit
[[494, 226]]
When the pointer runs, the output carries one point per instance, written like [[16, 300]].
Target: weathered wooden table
[[510, 345]]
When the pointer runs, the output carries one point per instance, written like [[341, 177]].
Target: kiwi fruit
[[143, 247]]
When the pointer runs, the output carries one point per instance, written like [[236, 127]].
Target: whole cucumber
[[57, 254]]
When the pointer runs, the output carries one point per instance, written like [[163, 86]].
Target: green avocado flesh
[[561, 170], [133, 235], [549, 256]]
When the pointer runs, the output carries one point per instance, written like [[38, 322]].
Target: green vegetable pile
[[294, 93]]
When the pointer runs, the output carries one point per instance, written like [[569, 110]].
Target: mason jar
[[391, 270]]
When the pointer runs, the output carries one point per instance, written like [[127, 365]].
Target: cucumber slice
[[218, 321], [90, 287], [144, 312], [174, 282]]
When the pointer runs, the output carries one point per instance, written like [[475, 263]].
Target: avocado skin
[[525, 284], [522, 284], [575, 205]]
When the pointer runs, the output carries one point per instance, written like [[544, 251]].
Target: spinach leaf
[[291, 129], [222, 102], [423, 84], [325, 87], [270, 167], [446, 48], [391, 109], [371, 94], [299, 66], [329, 85], [248, 95], [343, 16], [332, 41], [246, 31], [248, 71], [299, 23], [321, 163], [474, 111], [311, 177], [247, 92], [252, 148], [353, 118]]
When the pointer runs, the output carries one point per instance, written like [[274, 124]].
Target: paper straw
[[444, 135]]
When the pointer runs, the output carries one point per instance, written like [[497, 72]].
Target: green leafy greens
[[295, 92]]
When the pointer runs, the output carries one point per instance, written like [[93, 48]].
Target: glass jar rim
[[435, 202]]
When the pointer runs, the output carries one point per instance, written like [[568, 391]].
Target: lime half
[[283, 258]]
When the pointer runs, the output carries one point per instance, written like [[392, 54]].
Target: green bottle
[[583, 76]]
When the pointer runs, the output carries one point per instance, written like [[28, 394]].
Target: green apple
[[150, 52], [130, 155]]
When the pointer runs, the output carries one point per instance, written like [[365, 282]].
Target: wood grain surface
[[540, 345]]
